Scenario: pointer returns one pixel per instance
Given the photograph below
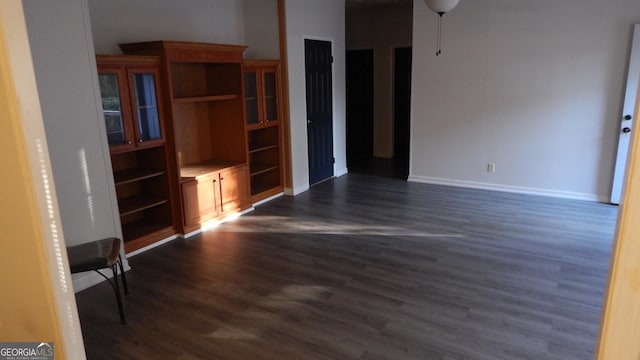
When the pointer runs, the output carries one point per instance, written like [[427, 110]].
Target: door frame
[[54, 314], [620, 317], [332, 41], [624, 139]]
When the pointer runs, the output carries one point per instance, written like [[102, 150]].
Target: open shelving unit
[[131, 93], [142, 190]]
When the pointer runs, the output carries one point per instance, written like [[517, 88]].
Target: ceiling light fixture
[[441, 7]]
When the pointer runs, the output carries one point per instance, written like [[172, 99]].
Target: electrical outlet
[[491, 167]]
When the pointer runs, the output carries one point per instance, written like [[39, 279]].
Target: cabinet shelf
[[140, 233], [262, 187], [253, 148], [257, 169], [204, 168], [139, 203], [131, 175], [192, 99], [262, 125]]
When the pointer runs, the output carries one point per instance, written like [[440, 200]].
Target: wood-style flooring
[[361, 267]]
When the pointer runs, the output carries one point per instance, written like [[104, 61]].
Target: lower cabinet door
[[234, 189], [200, 199]]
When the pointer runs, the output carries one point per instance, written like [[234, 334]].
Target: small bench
[[97, 255]]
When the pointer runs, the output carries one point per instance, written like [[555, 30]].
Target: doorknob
[[309, 121], [626, 130], [627, 117]]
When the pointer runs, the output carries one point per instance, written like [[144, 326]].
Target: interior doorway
[[359, 101], [402, 109]]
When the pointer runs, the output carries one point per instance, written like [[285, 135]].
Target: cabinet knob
[[129, 142], [140, 140]]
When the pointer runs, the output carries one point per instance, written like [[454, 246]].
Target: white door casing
[[628, 110]]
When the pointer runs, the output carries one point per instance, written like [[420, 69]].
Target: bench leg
[[124, 277], [116, 288]]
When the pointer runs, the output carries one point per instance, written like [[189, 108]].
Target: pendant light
[[441, 7]]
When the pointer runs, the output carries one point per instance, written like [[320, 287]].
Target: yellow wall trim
[[38, 303]]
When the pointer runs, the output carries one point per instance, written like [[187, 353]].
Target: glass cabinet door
[[251, 97], [270, 99], [146, 107], [130, 106], [112, 108]]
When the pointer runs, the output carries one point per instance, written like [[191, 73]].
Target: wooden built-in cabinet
[[209, 136], [262, 114], [131, 93], [211, 194], [194, 135]]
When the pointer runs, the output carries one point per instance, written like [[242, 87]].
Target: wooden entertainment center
[[193, 132]]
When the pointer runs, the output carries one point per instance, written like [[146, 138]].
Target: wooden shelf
[[196, 170], [192, 99], [262, 168], [141, 233], [137, 229], [262, 125], [131, 175], [261, 147], [260, 187], [138, 203]]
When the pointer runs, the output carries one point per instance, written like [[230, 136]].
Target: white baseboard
[[149, 247], [508, 188], [341, 172], [296, 191], [267, 199]]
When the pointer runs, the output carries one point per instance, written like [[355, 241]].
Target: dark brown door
[[318, 64]]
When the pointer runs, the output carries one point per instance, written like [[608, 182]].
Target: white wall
[[534, 86], [261, 29], [323, 20], [364, 31], [123, 21], [65, 69]]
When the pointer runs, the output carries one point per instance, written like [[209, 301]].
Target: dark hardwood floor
[[361, 267]]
